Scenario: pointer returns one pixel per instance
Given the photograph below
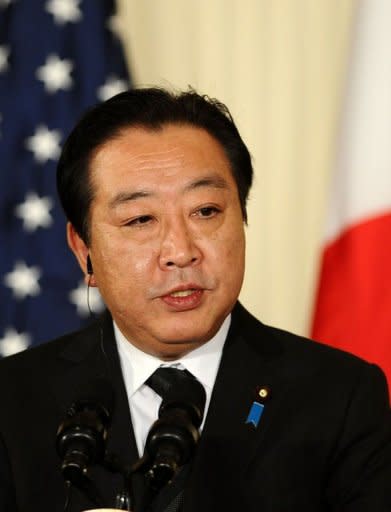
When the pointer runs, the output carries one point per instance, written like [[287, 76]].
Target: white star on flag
[[4, 54], [55, 74], [45, 144], [64, 10], [78, 297], [13, 342], [35, 212], [23, 280], [111, 87]]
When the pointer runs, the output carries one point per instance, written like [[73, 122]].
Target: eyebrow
[[124, 197], [207, 182]]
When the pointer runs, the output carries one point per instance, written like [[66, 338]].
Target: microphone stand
[[124, 499]]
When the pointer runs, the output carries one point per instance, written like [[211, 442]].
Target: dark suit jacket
[[323, 442]]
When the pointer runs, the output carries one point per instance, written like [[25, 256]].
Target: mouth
[[183, 298]]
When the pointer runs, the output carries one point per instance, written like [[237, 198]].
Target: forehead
[[174, 152]]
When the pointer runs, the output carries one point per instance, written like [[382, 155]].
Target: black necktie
[[162, 381], [166, 378]]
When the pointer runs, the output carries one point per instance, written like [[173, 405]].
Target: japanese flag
[[353, 304]]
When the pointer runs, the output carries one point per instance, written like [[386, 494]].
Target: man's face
[[167, 236]]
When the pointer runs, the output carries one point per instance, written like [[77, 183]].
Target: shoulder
[[42, 358], [302, 356]]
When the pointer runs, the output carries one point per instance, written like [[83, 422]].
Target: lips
[[183, 298]]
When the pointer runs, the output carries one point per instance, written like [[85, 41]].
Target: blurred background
[[284, 68]]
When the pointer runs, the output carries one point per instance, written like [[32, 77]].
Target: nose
[[178, 246]]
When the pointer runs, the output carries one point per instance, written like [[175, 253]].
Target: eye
[[207, 211], [139, 221]]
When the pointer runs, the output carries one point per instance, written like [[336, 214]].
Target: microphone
[[173, 437], [81, 437]]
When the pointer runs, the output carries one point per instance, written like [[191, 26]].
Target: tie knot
[[179, 389], [166, 378]]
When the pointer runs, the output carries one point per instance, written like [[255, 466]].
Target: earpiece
[[90, 270]]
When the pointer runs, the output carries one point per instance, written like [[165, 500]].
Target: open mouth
[[183, 293], [183, 300]]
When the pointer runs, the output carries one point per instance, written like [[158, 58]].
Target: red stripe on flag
[[353, 308]]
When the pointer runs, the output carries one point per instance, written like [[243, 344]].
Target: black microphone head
[[81, 437], [173, 437]]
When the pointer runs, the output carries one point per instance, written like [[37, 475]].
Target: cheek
[[140, 262], [122, 268], [226, 251], [121, 251], [137, 269], [234, 240]]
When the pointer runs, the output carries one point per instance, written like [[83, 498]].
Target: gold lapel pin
[[263, 394]]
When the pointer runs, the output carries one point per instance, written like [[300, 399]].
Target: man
[[155, 186]]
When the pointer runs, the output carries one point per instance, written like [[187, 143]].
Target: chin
[[176, 349], [189, 337]]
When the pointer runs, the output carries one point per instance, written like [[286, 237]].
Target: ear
[[81, 251]]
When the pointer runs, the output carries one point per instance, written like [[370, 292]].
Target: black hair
[[150, 108]]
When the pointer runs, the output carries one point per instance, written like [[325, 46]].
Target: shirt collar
[[203, 362]]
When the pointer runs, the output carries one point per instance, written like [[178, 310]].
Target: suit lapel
[[228, 443]]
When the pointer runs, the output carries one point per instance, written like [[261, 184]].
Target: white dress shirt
[[137, 367]]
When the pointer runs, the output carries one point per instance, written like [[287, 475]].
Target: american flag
[[57, 57]]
